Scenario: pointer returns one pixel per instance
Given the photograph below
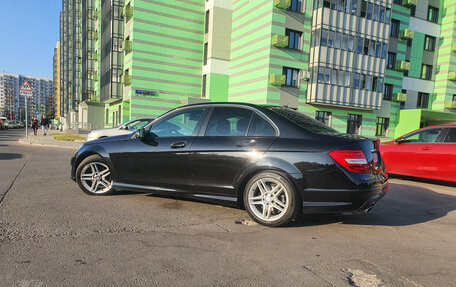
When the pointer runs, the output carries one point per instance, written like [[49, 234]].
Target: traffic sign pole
[[26, 90], [26, 119]]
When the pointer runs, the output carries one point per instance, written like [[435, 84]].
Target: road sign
[[25, 89], [37, 112]]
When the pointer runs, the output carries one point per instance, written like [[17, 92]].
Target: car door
[[232, 139], [160, 158], [413, 154], [444, 154]]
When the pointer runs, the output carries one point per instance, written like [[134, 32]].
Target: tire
[[270, 200], [93, 176]]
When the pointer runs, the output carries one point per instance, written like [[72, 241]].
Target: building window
[[426, 72], [206, 28], [372, 48], [363, 9], [366, 47], [291, 76], [205, 53], [294, 39], [203, 88], [107, 115], [381, 16], [388, 94], [354, 124], [433, 14], [382, 127], [324, 37], [391, 60], [423, 100], [296, 5], [429, 43], [454, 98], [394, 28], [378, 50], [356, 81], [399, 2], [369, 10], [324, 117]]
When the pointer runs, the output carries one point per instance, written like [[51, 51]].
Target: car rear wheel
[[270, 200], [94, 176]]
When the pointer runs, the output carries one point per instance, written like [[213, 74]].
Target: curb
[[46, 145]]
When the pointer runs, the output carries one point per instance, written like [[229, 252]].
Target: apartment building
[[375, 68], [12, 104]]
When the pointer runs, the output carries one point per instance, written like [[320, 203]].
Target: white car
[[125, 128]]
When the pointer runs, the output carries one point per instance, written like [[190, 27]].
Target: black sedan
[[272, 161]]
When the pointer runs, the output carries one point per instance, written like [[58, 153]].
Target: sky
[[29, 31]]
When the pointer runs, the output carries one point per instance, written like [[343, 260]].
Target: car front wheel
[[94, 176], [270, 200]]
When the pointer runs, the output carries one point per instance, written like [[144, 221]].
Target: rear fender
[[277, 165]]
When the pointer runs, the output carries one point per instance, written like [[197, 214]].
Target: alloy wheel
[[268, 199], [96, 178]]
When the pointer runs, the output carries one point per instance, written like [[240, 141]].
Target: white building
[[12, 104]]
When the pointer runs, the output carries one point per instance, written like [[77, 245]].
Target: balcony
[[95, 14], [452, 76], [453, 48], [127, 11], [95, 77], [400, 97], [407, 34], [279, 41], [95, 35], [96, 56], [409, 3], [277, 80], [403, 66], [450, 104], [126, 80], [282, 4], [127, 46]]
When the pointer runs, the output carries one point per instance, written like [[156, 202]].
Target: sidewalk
[[49, 141]]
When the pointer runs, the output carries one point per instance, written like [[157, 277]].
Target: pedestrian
[[34, 125], [44, 125]]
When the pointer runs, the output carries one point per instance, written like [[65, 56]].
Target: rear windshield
[[302, 120]]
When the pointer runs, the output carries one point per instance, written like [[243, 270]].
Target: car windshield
[[302, 120]]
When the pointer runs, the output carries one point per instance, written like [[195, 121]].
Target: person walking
[[44, 125], [34, 125]]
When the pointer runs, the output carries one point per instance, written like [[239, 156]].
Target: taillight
[[353, 160], [375, 152]]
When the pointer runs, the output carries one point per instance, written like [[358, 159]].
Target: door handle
[[246, 143], [178, 145], [426, 148]]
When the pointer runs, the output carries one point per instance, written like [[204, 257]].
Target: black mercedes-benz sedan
[[272, 161]]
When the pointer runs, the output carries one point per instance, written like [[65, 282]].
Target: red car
[[427, 153]]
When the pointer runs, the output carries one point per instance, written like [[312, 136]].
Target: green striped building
[[375, 68]]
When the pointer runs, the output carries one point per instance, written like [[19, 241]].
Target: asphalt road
[[52, 234]]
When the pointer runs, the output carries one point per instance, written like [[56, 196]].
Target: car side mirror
[[124, 127], [401, 140], [141, 133]]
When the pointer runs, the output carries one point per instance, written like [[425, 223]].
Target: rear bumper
[[342, 200]]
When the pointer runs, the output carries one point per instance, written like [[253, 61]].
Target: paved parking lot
[[53, 234]]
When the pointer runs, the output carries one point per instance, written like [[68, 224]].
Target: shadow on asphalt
[[403, 205], [9, 156]]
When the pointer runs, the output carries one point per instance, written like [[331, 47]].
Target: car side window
[[261, 128], [229, 122], [451, 136], [137, 124], [426, 136], [178, 124]]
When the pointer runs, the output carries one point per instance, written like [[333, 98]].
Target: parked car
[[429, 152], [125, 128], [3, 125], [272, 161]]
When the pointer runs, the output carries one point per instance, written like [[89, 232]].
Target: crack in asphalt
[[3, 195]]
